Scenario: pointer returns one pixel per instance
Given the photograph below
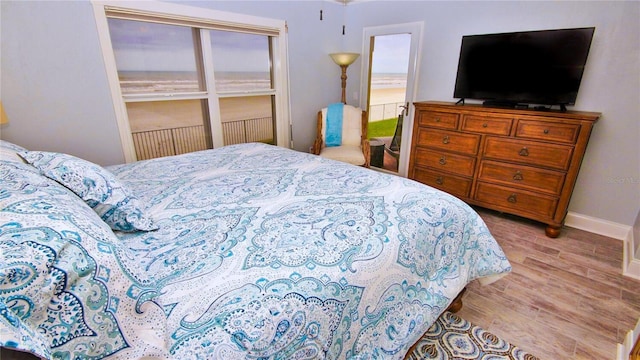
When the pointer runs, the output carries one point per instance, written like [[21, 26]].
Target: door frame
[[416, 31]]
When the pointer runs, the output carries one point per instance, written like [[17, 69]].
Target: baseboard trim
[[625, 349], [597, 226], [630, 265]]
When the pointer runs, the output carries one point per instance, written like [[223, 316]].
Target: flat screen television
[[516, 69]]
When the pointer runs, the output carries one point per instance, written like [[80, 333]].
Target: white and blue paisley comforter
[[255, 252]]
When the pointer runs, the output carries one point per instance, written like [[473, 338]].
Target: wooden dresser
[[522, 162]]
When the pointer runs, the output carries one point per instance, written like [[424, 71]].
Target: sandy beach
[[165, 115], [385, 103], [387, 96], [171, 114], [387, 93], [243, 118]]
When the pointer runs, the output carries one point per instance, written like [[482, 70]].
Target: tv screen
[[533, 67]]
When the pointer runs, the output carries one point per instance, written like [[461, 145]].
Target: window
[[186, 79]]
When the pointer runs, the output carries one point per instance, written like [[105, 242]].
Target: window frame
[[206, 18]]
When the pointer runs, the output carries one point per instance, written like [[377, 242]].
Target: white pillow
[[98, 187]]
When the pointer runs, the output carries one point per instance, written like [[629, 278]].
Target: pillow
[[99, 188], [69, 287], [7, 154], [8, 151], [9, 145]]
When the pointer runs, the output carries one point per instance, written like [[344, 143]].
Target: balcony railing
[[249, 130], [166, 142], [385, 111]]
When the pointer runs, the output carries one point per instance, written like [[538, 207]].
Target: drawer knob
[[546, 131], [443, 160], [439, 180], [437, 119], [445, 139], [524, 152], [518, 176], [485, 125], [512, 198]]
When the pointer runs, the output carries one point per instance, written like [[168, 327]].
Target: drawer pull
[[518, 176], [546, 131], [439, 180], [524, 152], [512, 198], [485, 125], [437, 119], [443, 160], [445, 139]]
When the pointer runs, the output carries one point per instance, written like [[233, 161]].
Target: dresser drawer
[[454, 185], [527, 177], [530, 152], [520, 202], [517, 161], [543, 130], [444, 161], [487, 124], [448, 140], [441, 120]]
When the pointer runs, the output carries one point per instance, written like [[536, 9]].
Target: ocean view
[[390, 80], [157, 124], [137, 82]]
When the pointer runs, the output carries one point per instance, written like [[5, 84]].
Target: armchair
[[354, 145]]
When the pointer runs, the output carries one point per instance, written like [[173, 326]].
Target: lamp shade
[[344, 58]]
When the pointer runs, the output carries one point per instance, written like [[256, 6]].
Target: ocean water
[[388, 81], [138, 82]]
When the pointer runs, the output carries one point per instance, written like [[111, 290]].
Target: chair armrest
[[366, 151], [317, 144]]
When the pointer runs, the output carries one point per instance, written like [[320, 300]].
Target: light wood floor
[[566, 298]]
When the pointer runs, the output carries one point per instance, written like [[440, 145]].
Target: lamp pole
[[344, 83]]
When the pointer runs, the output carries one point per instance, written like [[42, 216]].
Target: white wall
[[55, 91], [54, 86], [635, 246], [609, 183]]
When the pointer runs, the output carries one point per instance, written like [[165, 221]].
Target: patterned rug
[[452, 337]]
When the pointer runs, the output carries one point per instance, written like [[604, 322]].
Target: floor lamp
[[344, 60]]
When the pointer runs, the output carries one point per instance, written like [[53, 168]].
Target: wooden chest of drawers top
[[553, 126]]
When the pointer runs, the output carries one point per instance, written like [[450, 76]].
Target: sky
[[391, 54], [159, 47]]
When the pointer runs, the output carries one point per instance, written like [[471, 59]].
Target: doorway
[[390, 72]]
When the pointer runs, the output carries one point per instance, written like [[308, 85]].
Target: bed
[[248, 251]]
